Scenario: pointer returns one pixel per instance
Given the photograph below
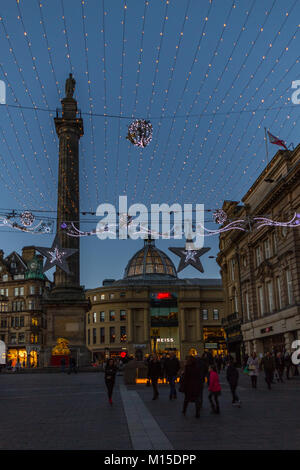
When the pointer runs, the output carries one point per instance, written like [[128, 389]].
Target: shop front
[[22, 356], [214, 341], [273, 343], [164, 332]]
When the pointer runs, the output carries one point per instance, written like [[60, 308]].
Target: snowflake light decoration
[[220, 216], [140, 133], [27, 218]]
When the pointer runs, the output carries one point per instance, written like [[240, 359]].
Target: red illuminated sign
[[163, 295], [123, 354]]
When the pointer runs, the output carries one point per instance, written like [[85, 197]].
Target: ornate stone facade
[[261, 268]]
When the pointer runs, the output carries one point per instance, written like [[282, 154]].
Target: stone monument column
[[69, 128], [66, 305]]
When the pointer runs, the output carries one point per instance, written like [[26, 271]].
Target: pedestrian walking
[[109, 378], [253, 366], [192, 385], [149, 358], [214, 389], [268, 364], [203, 373], [288, 363], [72, 365], [232, 375], [154, 373], [279, 364], [219, 364], [62, 364], [171, 368]]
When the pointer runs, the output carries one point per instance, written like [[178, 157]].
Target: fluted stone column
[[69, 128]]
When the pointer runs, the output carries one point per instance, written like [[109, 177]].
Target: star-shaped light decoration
[[189, 257], [56, 255]]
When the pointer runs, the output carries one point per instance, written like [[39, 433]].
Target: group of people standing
[[273, 364], [196, 372], [205, 369]]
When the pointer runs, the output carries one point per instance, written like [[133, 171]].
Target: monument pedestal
[[66, 319], [56, 360]]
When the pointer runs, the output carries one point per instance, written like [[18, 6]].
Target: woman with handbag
[[253, 367]]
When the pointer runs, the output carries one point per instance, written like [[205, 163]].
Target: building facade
[[260, 268], [22, 320], [152, 310]]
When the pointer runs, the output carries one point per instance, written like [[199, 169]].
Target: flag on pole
[[275, 140]]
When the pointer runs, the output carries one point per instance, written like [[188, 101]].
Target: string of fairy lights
[[123, 54], [180, 101], [136, 92], [195, 184], [167, 92], [105, 103], [43, 94], [225, 69], [153, 84], [184, 165], [24, 121], [248, 124], [222, 101], [198, 93], [91, 105], [237, 149]]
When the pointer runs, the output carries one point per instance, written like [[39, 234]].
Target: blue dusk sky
[[209, 75]]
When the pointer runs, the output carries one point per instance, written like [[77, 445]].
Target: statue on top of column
[[70, 86]]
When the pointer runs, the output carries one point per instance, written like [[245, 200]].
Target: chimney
[[28, 253]]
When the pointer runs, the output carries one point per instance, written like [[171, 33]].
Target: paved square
[[59, 411]]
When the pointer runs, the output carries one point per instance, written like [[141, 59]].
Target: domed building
[[153, 310]]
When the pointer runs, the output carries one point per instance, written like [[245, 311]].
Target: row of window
[[262, 252], [93, 339], [20, 338], [110, 296], [19, 291], [16, 322], [102, 316], [19, 306], [215, 314], [122, 316], [270, 295]]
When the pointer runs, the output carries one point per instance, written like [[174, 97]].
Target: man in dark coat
[[202, 364], [154, 373], [192, 385], [171, 367], [268, 364], [279, 363], [232, 375]]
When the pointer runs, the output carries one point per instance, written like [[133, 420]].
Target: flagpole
[[267, 152]]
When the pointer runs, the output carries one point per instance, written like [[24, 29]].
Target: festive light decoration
[[224, 161], [220, 216], [137, 86], [189, 257], [27, 218], [247, 224], [39, 229], [56, 255], [140, 133]]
